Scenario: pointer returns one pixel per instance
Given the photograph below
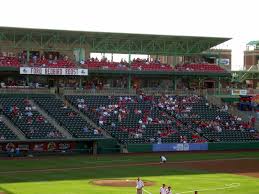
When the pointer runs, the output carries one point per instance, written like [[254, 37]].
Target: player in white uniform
[[163, 189], [162, 159], [139, 186], [168, 190]]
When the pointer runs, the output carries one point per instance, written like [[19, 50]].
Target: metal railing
[[122, 91], [107, 91], [24, 90]]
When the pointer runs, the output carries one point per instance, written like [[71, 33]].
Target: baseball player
[[168, 190], [139, 186], [163, 189], [162, 159]]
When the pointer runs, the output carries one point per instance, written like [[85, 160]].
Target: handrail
[[110, 91], [24, 90], [122, 91]]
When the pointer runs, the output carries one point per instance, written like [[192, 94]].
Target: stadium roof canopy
[[253, 43], [105, 42]]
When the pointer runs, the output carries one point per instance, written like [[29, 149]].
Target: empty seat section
[[6, 133], [66, 117], [28, 119]]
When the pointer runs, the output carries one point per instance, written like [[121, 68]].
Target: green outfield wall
[[233, 146], [140, 147]]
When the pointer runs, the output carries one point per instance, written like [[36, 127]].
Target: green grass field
[[73, 174]]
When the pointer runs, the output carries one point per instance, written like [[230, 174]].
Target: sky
[[237, 19]]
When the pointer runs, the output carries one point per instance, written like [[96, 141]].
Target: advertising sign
[[168, 147], [223, 61], [53, 71], [238, 92]]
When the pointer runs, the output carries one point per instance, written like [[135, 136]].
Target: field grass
[[73, 174]]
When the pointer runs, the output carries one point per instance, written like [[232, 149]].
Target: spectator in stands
[[51, 134], [143, 126], [65, 105], [29, 114], [218, 118], [198, 129], [196, 137], [14, 110], [257, 114], [85, 129], [2, 137], [79, 106], [20, 115], [11, 152], [183, 139], [2, 84], [101, 122], [40, 118], [152, 140], [256, 135], [96, 132], [29, 120], [218, 128], [34, 59], [159, 140], [28, 108], [71, 114], [113, 125], [31, 131], [253, 120], [17, 151], [226, 107]]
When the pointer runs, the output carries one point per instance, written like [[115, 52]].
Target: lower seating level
[[130, 119], [6, 133], [27, 119], [66, 117], [211, 122], [145, 119]]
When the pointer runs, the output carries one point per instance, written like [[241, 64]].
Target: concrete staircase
[[52, 121], [107, 135], [11, 126]]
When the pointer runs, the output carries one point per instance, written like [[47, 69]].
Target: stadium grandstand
[[54, 96]]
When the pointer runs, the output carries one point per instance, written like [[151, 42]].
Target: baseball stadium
[[75, 119]]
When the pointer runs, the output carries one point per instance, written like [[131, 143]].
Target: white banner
[[53, 71], [238, 92]]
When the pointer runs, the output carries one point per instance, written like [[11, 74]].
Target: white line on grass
[[146, 191]]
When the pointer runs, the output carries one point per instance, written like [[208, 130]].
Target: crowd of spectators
[[178, 108], [9, 61], [52, 62], [115, 113], [199, 67], [137, 64], [19, 83], [149, 65], [104, 63]]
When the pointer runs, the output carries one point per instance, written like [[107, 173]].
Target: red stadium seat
[[200, 67]]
